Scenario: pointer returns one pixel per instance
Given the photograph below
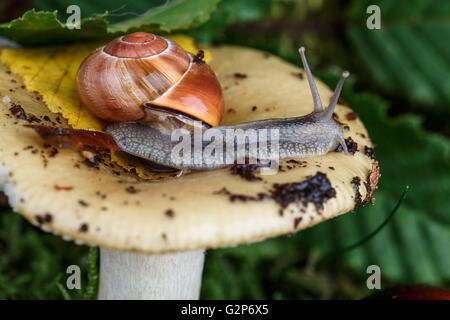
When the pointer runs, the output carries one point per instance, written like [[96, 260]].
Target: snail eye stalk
[[334, 99], [312, 85], [315, 94]]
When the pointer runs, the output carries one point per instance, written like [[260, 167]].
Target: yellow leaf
[[51, 72]]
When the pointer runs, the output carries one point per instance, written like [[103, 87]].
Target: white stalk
[[171, 276]]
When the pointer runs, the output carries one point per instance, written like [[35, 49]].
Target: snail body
[[143, 123], [298, 137]]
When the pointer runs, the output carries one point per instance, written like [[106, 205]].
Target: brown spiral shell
[[115, 81]]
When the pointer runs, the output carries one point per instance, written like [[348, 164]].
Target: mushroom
[[153, 229]]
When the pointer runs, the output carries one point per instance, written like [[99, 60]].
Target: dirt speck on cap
[[246, 171], [240, 197], [351, 116], [240, 75], [352, 146], [298, 75], [356, 181], [46, 218], [84, 227], [342, 102], [53, 152], [91, 162], [170, 213], [372, 182], [316, 189], [296, 222], [62, 188], [131, 189], [83, 203], [18, 111], [299, 163], [369, 152]]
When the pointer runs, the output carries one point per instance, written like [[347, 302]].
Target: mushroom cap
[[105, 206]]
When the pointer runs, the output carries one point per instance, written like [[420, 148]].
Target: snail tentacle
[[315, 94], [334, 99]]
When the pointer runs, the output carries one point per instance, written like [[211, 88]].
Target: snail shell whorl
[[116, 80]]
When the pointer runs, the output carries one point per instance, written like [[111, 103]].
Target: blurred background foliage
[[400, 87]]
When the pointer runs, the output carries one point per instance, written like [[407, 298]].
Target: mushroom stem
[[129, 275]]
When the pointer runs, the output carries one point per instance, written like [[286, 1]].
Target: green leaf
[[229, 12], [38, 28], [412, 247], [43, 27], [65, 294], [409, 54], [175, 15], [118, 10]]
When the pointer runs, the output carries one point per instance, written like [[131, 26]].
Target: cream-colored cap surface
[[106, 206]]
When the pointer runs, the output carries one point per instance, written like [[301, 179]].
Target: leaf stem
[[63, 291], [92, 285], [378, 229]]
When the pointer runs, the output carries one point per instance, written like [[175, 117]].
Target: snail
[[146, 87]]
